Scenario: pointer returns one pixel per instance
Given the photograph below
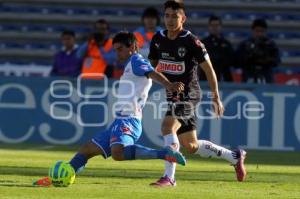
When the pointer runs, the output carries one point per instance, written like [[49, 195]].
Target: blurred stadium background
[[30, 29], [30, 35]]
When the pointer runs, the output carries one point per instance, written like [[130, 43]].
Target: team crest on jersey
[[181, 51], [171, 67], [157, 45]]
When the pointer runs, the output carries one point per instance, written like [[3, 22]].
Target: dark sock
[[78, 162], [135, 152]]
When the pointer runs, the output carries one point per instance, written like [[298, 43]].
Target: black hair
[[126, 38], [102, 21], [151, 12], [175, 5], [259, 23], [214, 18], [68, 32]]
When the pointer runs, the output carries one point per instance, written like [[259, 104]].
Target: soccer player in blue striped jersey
[[119, 141]]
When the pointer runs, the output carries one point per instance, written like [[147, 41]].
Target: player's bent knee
[[190, 147], [89, 150], [117, 153], [117, 156], [166, 129], [169, 126]]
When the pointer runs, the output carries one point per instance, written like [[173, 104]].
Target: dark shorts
[[185, 112]]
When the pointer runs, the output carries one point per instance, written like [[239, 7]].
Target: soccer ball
[[61, 174]]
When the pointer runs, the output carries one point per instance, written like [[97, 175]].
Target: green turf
[[271, 175]]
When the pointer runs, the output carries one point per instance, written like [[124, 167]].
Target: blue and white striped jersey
[[134, 86]]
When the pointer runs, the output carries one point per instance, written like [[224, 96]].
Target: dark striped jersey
[[178, 60]]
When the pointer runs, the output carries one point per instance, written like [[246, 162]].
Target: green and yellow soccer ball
[[61, 174]]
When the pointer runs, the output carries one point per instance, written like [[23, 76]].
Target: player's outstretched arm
[[160, 78], [213, 84]]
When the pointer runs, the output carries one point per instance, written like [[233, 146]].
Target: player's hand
[[176, 87], [218, 107]]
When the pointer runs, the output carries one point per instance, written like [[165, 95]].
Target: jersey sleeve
[[153, 52], [140, 66], [198, 49]]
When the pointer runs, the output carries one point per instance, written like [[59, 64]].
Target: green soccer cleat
[[174, 156]]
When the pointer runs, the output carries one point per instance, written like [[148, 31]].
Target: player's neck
[[173, 34]]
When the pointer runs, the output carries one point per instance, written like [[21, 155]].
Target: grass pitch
[[270, 175]]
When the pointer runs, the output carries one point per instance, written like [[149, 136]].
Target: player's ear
[[183, 18], [134, 47]]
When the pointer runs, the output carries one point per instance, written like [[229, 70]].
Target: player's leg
[[169, 128], [121, 152], [123, 138], [86, 151], [207, 149], [99, 145]]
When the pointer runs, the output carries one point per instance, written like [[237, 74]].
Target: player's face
[[215, 27], [101, 28], [174, 19], [150, 23], [123, 52], [68, 41], [259, 32]]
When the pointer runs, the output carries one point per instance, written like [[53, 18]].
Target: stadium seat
[[30, 46], [236, 34], [12, 27], [129, 12], [290, 53], [12, 9], [35, 28], [254, 15], [13, 45], [284, 35], [229, 15], [199, 15], [232, 15]]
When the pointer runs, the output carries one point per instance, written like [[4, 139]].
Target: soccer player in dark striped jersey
[[177, 53]]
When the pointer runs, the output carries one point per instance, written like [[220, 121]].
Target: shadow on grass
[[18, 185], [133, 173], [253, 156], [39, 147], [13, 183], [258, 157]]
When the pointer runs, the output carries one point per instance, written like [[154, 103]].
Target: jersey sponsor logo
[[167, 56], [171, 67]]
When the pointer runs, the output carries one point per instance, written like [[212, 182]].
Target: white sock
[[170, 167], [208, 149]]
